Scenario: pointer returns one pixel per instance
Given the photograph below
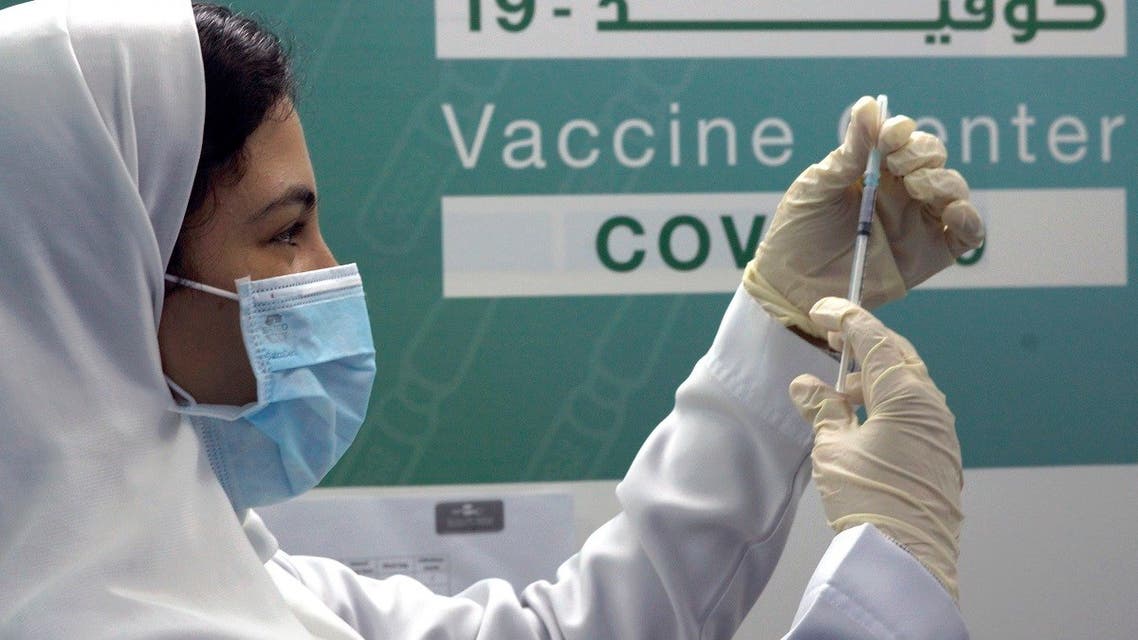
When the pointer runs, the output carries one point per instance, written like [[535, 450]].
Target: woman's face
[[261, 226]]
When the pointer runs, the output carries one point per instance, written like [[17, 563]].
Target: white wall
[[1046, 552]]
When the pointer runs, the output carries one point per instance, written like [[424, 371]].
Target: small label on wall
[[469, 517]]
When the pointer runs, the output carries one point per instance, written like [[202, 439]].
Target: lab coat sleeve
[[868, 588], [706, 508]]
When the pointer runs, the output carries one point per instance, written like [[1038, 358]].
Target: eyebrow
[[295, 195]]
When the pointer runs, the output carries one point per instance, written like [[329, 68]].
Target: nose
[[323, 258]]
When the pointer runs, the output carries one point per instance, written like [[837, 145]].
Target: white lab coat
[[707, 505], [112, 525]]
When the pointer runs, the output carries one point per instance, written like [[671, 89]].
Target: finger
[[862, 132], [936, 186], [906, 348], [831, 178], [865, 334], [963, 227], [820, 405], [848, 160], [900, 351], [836, 340], [901, 343], [920, 151], [895, 133], [854, 391]]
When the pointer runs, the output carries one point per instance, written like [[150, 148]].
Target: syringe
[[864, 223]]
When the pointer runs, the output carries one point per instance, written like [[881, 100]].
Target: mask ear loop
[[174, 386], [202, 287], [182, 393]]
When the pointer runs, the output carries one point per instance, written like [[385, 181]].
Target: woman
[[128, 446]]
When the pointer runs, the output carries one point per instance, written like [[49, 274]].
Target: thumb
[[821, 405], [826, 181], [861, 136]]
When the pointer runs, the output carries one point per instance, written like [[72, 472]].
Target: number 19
[[520, 10]]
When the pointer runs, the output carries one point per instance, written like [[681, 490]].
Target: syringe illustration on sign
[[593, 415], [750, 28], [411, 177]]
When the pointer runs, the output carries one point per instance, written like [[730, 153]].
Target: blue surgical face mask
[[309, 341]]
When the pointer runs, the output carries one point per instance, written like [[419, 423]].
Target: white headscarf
[[111, 523]]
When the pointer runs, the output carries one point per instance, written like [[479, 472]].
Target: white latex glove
[[922, 223], [901, 469]]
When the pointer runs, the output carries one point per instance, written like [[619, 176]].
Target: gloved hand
[[900, 470], [922, 223]]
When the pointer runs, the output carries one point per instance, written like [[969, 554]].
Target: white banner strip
[[624, 244], [484, 29]]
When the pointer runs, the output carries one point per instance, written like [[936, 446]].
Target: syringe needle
[[861, 243]]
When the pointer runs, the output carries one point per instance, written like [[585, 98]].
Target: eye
[[289, 235]]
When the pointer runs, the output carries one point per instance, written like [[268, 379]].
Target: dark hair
[[248, 77]]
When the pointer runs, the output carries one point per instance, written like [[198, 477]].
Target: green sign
[[550, 202]]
